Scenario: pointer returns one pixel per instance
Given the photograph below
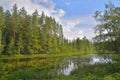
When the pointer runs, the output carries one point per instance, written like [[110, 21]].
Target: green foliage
[[82, 45], [2, 25], [108, 29], [21, 33]]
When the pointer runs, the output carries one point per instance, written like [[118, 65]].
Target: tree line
[[21, 33]]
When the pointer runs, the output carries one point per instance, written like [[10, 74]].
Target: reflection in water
[[68, 65], [100, 59], [67, 68]]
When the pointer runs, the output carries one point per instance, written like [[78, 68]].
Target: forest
[[24, 34], [33, 47]]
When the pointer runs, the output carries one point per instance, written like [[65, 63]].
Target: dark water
[[69, 64]]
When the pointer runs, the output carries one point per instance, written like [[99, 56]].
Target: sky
[[76, 16]]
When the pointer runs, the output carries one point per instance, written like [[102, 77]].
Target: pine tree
[[2, 26], [35, 42], [8, 32], [21, 31]]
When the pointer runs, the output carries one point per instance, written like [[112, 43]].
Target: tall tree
[[21, 31], [15, 21], [2, 25], [7, 36], [109, 27], [35, 37]]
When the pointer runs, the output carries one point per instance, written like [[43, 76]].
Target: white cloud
[[68, 29], [88, 28], [58, 14], [88, 32], [72, 28], [48, 6]]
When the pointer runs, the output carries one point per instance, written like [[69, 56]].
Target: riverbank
[[41, 56]]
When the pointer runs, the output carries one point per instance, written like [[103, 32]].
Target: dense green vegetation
[[108, 29], [21, 33]]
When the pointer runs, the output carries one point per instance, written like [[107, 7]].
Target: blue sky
[[76, 16], [82, 7], [84, 10]]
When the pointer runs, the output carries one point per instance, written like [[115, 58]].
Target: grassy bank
[[41, 56]]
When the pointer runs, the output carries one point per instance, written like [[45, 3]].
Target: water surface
[[69, 64]]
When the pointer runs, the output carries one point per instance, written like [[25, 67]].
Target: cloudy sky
[[76, 16]]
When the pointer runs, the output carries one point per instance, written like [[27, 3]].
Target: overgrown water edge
[[48, 69]]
